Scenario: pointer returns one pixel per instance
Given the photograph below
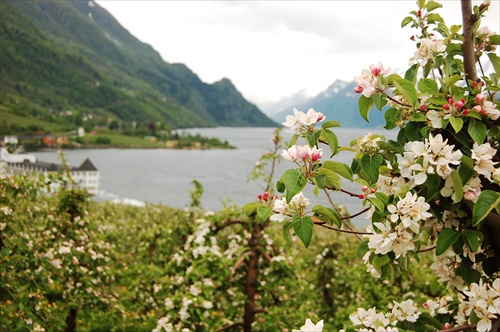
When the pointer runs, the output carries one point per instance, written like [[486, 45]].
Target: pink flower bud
[[446, 326], [358, 89], [480, 98], [484, 112], [316, 156], [373, 190], [465, 112], [412, 38], [364, 188], [376, 71], [265, 196], [419, 13], [422, 107], [361, 196], [474, 84], [446, 106], [477, 108], [450, 101], [459, 104], [259, 196]]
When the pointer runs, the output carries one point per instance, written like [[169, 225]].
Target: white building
[[85, 177]]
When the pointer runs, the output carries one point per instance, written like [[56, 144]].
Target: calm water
[[164, 176]]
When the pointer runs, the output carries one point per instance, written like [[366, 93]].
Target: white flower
[[309, 326], [290, 154], [280, 207], [406, 311], [483, 163], [382, 240], [428, 50], [293, 122], [435, 119], [207, 305], [300, 202]]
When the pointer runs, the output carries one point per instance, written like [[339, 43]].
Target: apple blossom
[[309, 326], [429, 49], [483, 159]]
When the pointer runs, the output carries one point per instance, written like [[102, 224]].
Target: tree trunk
[[251, 277], [468, 20], [71, 320]]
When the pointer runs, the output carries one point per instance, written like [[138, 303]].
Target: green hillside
[[71, 64]]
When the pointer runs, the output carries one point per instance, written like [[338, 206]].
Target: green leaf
[[433, 18], [477, 130], [286, 234], [377, 203], [379, 261], [494, 39], [332, 178], [303, 227], [473, 239], [312, 138], [407, 20], [445, 240], [411, 73], [264, 212], [293, 140], [364, 105], [466, 169], [332, 140], [458, 186], [280, 186], [320, 180], [392, 116], [427, 85], [467, 272], [379, 101], [370, 165], [330, 124], [456, 123], [426, 318], [294, 182], [433, 185], [486, 201], [436, 101], [324, 213], [362, 249], [432, 5], [495, 61], [250, 208], [407, 89], [342, 169]]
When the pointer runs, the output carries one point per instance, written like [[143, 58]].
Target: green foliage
[[176, 257]]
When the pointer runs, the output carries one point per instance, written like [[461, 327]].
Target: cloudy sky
[[273, 49]]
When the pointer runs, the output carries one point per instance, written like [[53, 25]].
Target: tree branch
[[461, 328]]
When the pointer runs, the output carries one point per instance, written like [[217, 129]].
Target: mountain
[[71, 63], [338, 102]]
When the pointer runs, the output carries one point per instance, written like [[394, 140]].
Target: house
[[86, 176]]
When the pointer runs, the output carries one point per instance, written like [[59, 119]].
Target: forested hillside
[[72, 64]]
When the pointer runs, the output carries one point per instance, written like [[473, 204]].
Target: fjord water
[[164, 176]]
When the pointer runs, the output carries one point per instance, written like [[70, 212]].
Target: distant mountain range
[[70, 63], [338, 102]]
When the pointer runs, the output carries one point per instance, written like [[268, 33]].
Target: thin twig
[[356, 214], [227, 327], [426, 249]]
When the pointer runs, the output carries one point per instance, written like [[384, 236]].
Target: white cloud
[[272, 49]]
